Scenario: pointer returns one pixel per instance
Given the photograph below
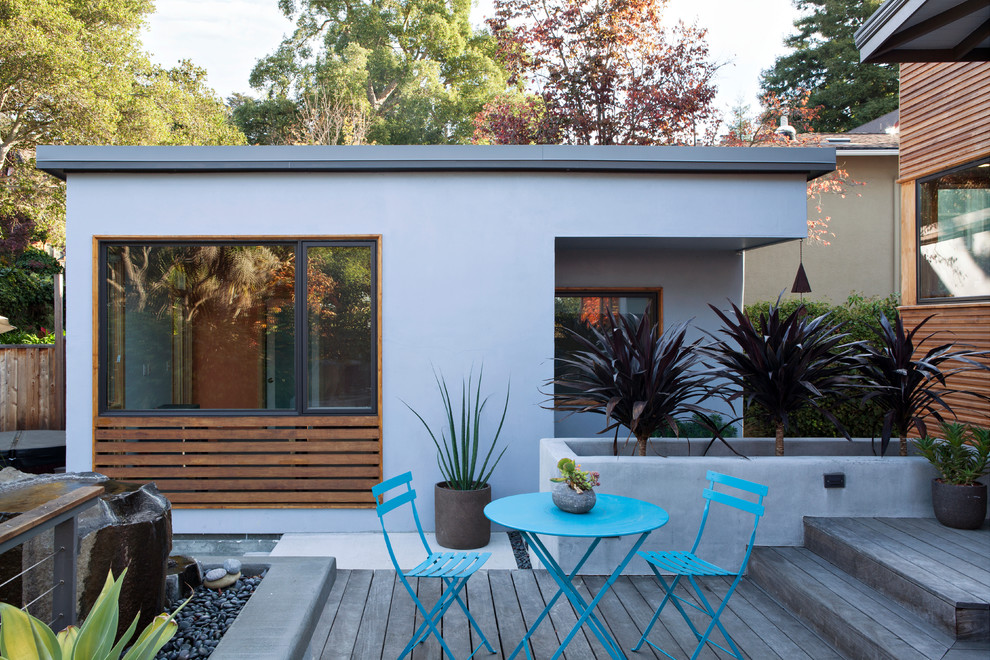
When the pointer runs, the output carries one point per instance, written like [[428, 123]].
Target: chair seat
[[683, 563], [450, 565]]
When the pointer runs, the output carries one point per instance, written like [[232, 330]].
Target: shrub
[[860, 317], [27, 292]]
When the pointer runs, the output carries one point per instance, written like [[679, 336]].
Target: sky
[[227, 37]]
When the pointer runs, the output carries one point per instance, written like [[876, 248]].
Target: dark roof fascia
[[812, 161], [878, 38]]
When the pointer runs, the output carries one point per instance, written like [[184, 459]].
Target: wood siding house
[[943, 47]]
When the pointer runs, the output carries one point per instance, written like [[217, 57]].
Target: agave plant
[[909, 389], [785, 364], [24, 637], [460, 445], [633, 377]]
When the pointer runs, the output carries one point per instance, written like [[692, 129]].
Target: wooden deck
[[369, 615]]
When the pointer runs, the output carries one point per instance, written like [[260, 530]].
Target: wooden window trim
[[920, 299], [245, 459]]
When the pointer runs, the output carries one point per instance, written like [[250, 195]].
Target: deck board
[[369, 616]]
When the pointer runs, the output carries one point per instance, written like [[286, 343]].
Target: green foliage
[[27, 294], [784, 362], [698, 427], [23, 637], [634, 375], [824, 60], [859, 315], [406, 72], [572, 475], [73, 73], [459, 446], [961, 457], [906, 388]]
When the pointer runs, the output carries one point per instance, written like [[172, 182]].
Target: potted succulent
[[574, 490], [460, 499], [961, 457]]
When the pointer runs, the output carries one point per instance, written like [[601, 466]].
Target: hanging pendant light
[[801, 284]]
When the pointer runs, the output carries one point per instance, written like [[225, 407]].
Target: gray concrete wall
[[864, 252], [468, 276], [716, 277], [891, 486]]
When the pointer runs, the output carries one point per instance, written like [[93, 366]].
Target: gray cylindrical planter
[[960, 507], [571, 501], [460, 517]]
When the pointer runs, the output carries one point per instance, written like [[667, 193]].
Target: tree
[[608, 71], [745, 131], [413, 71], [73, 73], [825, 60]]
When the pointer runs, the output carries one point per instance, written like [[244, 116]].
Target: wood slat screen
[[944, 116], [967, 324], [28, 399], [248, 461]]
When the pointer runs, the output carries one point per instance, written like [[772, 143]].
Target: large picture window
[[282, 326], [954, 234]]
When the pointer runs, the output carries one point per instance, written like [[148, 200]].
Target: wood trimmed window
[[240, 372], [954, 234], [577, 308]]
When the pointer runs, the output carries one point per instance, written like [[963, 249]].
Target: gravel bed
[[519, 550], [205, 619]]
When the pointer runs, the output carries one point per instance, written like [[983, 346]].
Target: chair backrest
[[755, 508], [384, 506]]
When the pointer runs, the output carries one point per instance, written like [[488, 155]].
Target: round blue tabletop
[[613, 515]]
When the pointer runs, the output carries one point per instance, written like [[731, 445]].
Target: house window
[[238, 326], [580, 309], [954, 234]]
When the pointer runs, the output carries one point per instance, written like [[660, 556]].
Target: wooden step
[[940, 574], [858, 621]]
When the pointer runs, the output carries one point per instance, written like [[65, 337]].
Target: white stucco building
[[245, 323]]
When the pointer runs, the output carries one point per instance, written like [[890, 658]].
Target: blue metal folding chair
[[454, 568], [687, 564]]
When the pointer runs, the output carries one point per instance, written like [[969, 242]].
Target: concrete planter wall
[[883, 487]]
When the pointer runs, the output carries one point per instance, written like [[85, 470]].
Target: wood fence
[[30, 396]]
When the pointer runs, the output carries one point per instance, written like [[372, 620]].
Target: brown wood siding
[[251, 461], [944, 116], [966, 324], [27, 389]]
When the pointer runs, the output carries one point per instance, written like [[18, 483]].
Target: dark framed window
[[954, 234], [580, 309], [282, 326]]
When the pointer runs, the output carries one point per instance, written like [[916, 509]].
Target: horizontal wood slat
[[944, 116], [965, 324], [247, 461]]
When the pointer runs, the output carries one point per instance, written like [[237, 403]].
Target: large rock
[[131, 527]]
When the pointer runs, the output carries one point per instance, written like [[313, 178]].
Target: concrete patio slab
[[366, 550]]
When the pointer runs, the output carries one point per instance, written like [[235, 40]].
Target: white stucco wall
[[468, 276]]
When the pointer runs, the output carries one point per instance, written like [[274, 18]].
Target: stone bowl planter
[[569, 500]]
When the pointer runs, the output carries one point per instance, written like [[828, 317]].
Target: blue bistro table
[[534, 514]]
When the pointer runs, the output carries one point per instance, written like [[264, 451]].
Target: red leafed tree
[[764, 131], [605, 72]]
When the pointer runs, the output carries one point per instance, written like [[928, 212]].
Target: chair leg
[[656, 615], [715, 622], [474, 624]]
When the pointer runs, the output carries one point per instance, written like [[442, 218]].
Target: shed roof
[[811, 162]]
